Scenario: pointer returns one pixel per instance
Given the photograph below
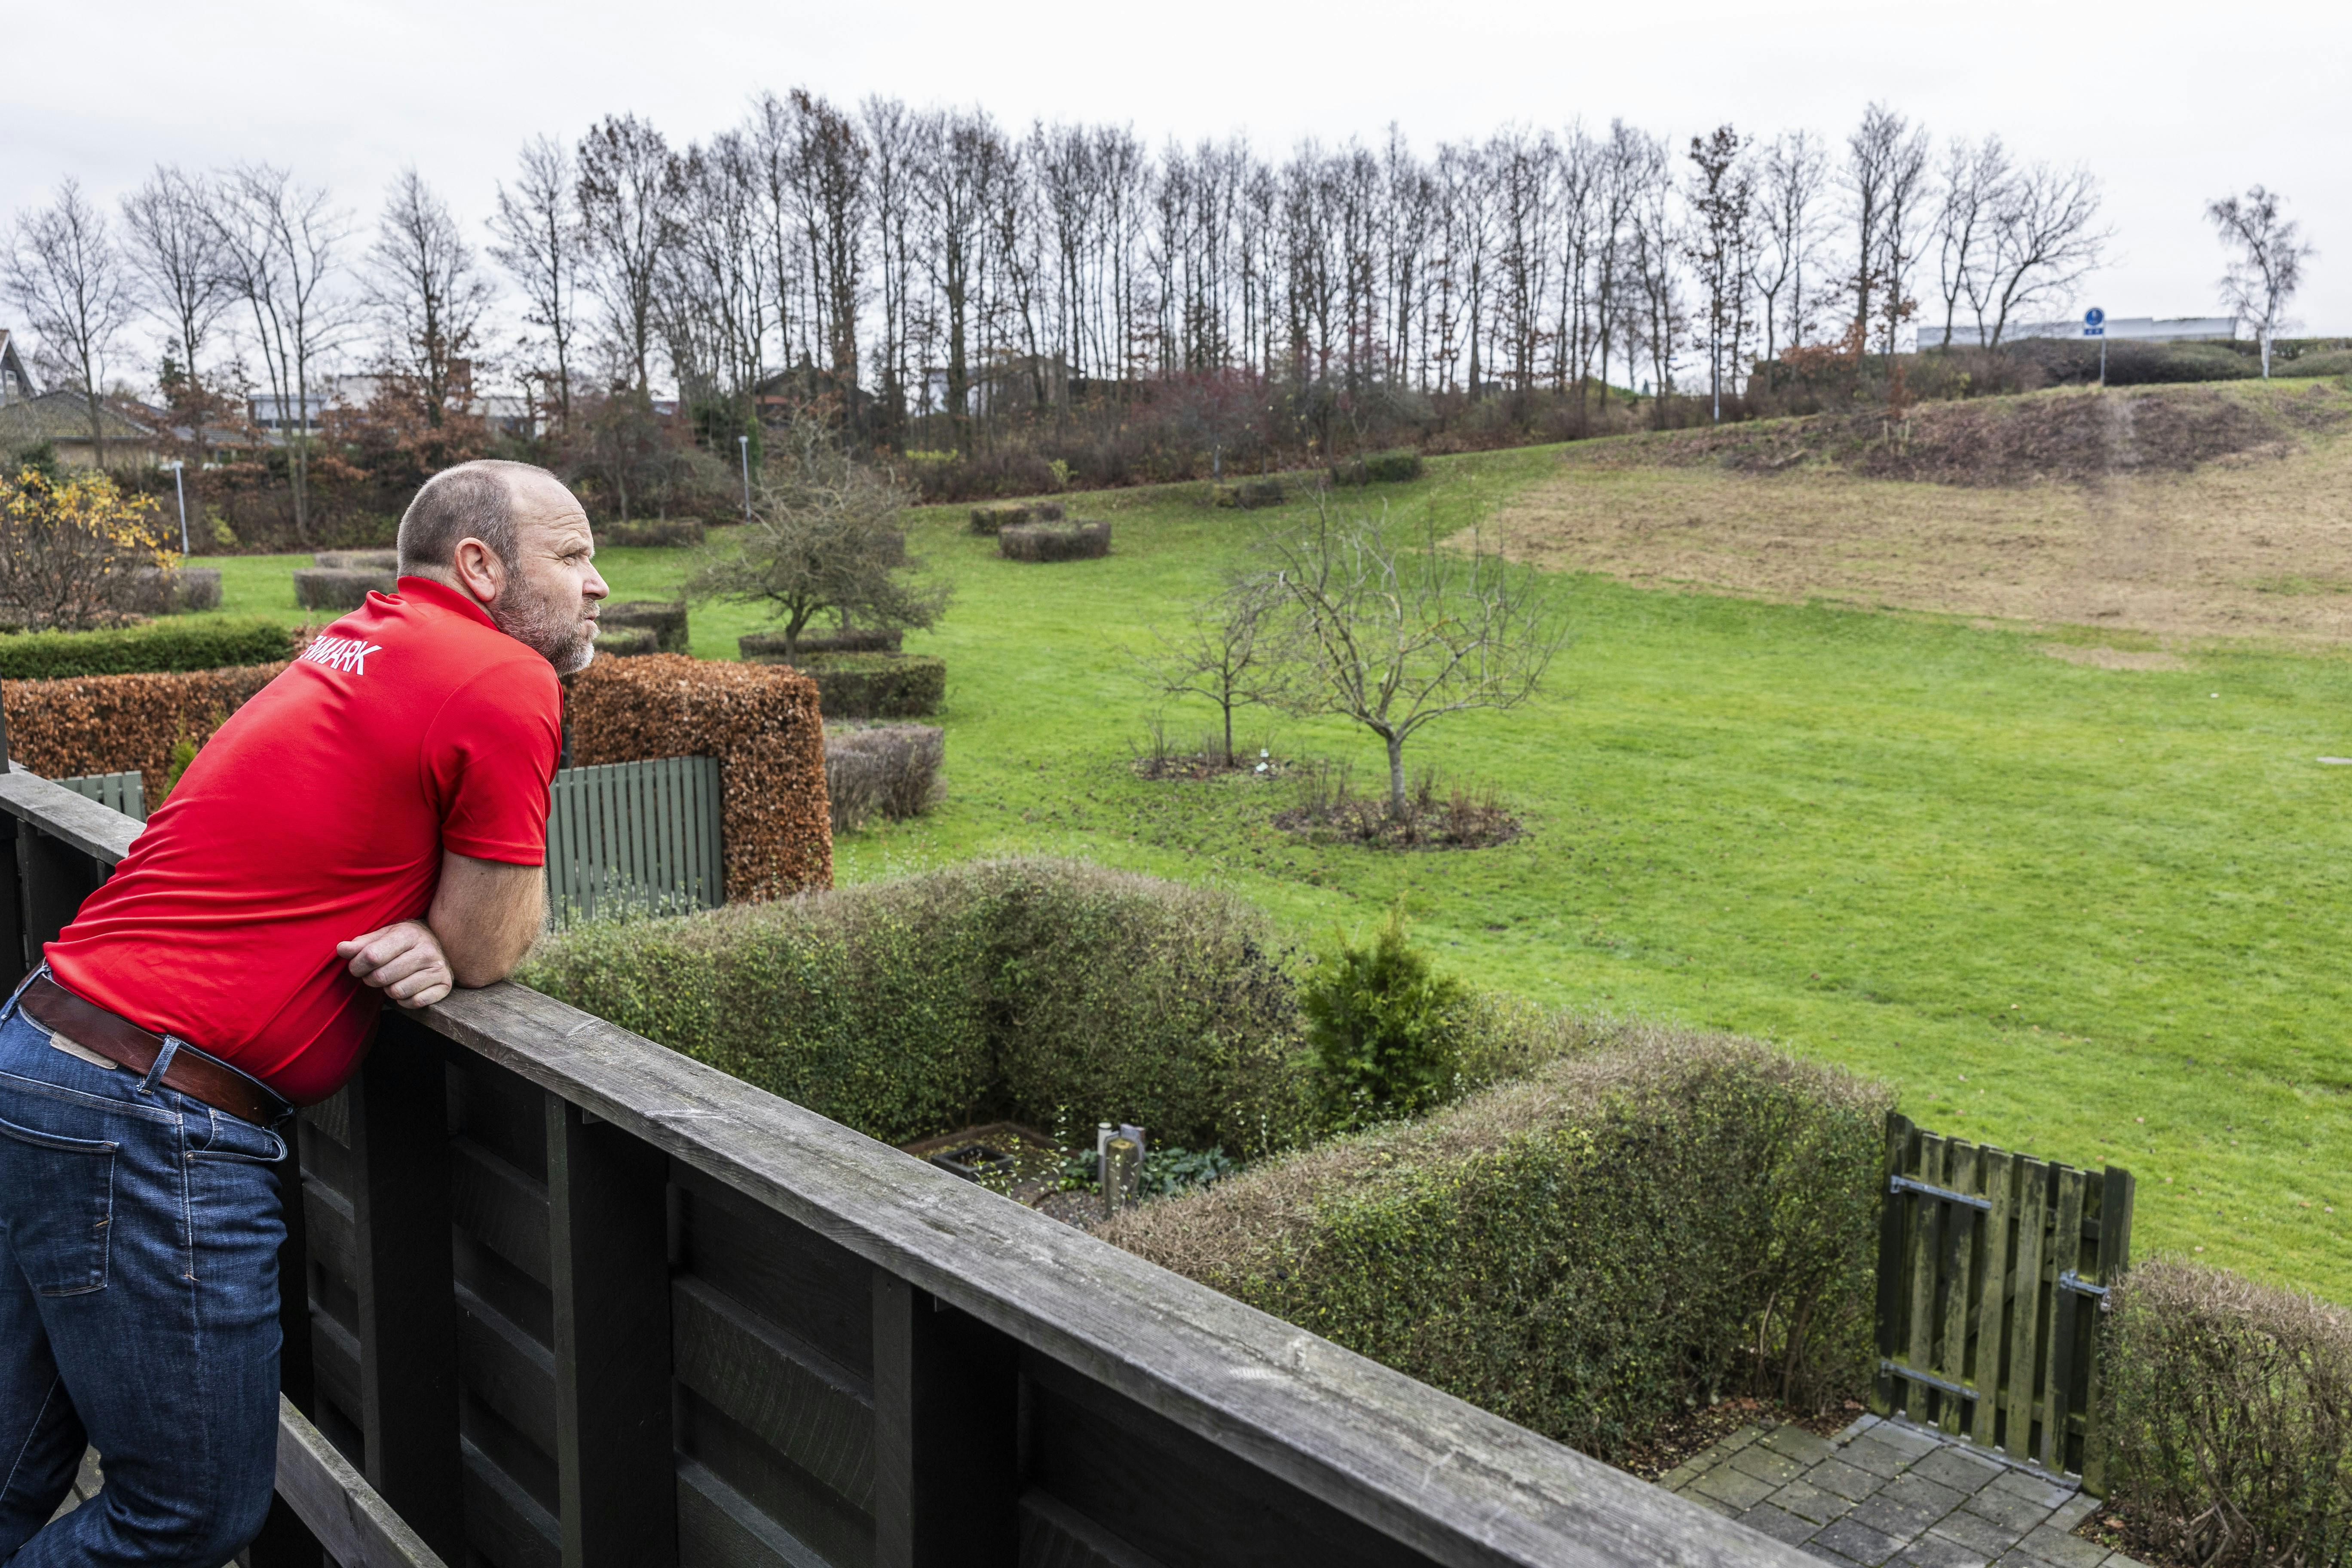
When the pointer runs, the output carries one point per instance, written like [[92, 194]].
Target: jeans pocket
[[232, 1137], [63, 1206]]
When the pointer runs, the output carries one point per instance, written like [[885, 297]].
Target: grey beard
[[548, 629]]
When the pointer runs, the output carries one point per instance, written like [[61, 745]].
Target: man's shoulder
[[413, 639]]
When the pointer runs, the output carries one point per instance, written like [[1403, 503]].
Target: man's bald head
[[472, 500]]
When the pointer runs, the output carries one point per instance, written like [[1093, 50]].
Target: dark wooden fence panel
[[1993, 1271]]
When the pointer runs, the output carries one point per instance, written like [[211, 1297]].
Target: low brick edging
[[1889, 1493]]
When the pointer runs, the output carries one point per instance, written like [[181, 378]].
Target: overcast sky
[[2169, 104]]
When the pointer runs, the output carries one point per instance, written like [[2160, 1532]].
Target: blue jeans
[[139, 1237]]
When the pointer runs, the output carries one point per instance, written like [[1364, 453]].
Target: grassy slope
[[2093, 914]]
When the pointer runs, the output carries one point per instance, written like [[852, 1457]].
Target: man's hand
[[404, 961]]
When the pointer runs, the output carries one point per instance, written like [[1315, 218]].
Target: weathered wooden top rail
[[572, 1298]]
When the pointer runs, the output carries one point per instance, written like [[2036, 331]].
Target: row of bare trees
[[937, 264], [942, 263]]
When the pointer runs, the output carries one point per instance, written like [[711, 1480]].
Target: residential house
[[61, 419], [15, 384]]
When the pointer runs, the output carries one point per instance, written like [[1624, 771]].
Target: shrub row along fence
[[1992, 1271], [558, 1295]]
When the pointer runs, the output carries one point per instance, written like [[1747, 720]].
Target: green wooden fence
[[635, 835], [1993, 1271], [625, 834], [125, 792]]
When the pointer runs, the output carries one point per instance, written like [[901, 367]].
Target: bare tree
[[1722, 201], [427, 294], [1977, 195], [1795, 173], [624, 196], [1385, 624], [1225, 652], [66, 275], [2045, 237], [2267, 254], [174, 246], [539, 241], [1886, 164], [284, 244]]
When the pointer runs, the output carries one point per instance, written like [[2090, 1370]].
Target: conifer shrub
[[1386, 1027], [1586, 1251]]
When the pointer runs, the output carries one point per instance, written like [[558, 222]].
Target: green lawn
[[2096, 915]]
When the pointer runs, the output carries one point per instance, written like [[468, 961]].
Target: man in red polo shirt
[[372, 823]]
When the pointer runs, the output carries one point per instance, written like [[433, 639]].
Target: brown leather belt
[[125, 1043]]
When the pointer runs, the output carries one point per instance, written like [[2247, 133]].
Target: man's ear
[[477, 570]]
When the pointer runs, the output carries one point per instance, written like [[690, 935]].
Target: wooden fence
[[644, 834], [560, 1296], [125, 792], [1993, 1271], [625, 834]]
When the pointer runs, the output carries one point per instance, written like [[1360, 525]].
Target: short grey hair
[[472, 500]]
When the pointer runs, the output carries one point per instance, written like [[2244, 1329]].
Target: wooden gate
[[125, 792], [634, 833], [1993, 1271]]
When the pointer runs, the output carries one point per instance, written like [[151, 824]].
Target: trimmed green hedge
[[163, 645], [1051, 992], [875, 685], [1247, 494], [1378, 469], [1586, 1251], [665, 619], [2230, 1416]]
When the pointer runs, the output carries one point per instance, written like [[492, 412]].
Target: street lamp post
[[743, 445], [180, 489]]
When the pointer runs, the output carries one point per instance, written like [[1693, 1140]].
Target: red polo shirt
[[316, 814]]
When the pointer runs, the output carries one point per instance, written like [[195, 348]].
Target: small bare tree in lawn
[[828, 533], [2267, 254], [1225, 650], [1383, 624]]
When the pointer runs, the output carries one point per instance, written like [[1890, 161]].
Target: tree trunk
[[1396, 778]]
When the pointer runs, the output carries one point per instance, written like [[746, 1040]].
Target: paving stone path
[[1888, 1492]]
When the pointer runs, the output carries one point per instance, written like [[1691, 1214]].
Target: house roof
[[12, 365], [63, 416]]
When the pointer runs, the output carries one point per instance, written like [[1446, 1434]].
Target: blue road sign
[[2094, 317]]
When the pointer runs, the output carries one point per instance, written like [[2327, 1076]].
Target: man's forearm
[[486, 914]]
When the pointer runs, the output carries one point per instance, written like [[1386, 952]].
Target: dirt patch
[[2076, 436], [2257, 548], [2114, 657]]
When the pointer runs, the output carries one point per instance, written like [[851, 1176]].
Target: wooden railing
[[557, 1295]]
